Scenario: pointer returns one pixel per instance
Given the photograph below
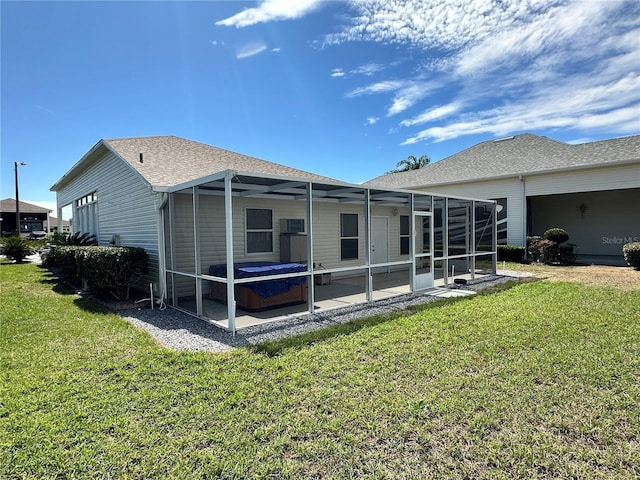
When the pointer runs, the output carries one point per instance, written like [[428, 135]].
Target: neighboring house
[[219, 225], [32, 218], [52, 225], [592, 190]]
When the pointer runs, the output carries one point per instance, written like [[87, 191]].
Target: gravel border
[[179, 331]]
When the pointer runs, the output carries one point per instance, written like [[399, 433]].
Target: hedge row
[[108, 271], [510, 253]]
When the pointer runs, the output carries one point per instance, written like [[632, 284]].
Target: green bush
[[510, 253], [566, 254], [111, 270], [64, 257], [548, 249], [556, 235], [17, 249], [57, 238], [81, 239], [631, 253], [533, 251]]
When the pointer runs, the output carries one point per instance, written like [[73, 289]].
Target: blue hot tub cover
[[264, 288]]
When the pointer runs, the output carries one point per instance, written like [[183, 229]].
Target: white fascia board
[[77, 167], [532, 173]]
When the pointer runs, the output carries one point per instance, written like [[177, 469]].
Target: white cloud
[[494, 67], [379, 87], [608, 107], [372, 120], [435, 113], [270, 10], [250, 50], [409, 95], [508, 66], [368, 70], [446, 24]]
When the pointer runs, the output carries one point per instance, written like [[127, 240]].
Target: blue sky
[[341, 88]]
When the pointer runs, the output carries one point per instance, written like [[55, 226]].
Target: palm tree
[[411, 163]]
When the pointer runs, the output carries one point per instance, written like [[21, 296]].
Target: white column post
[[228, 221]]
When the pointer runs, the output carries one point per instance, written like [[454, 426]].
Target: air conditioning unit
[[291, 225]]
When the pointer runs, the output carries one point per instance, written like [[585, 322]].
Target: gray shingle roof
[[524, 154], [170, 160]]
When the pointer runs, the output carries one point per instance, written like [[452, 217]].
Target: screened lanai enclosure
[[242, 248]]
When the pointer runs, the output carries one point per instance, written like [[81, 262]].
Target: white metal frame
[[230, 184]]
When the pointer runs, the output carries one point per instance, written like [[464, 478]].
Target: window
[[348, 236], [259, 230], [86, 214], [404, 234]]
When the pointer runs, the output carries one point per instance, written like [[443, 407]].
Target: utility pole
[[16, 165]]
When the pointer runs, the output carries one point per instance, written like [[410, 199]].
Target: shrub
[[81, 239], [510, 253], [64, 257], [566, 254], [111, 270], [57, 238], [17, 248], [549, 250], [556, 235], [631, 253], [532, 247]]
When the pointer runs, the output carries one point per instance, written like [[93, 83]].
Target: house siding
[[590, 183], [326, 231], [589, 180], [509, 188], [126, 206]]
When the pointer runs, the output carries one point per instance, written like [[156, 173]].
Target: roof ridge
[[139, 138]]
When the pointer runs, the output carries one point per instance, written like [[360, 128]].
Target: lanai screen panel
[[332, 225]]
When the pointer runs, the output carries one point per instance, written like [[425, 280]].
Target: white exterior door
[[422, 251], [380, 243]]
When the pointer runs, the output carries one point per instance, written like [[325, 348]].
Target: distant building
[[52, 225], [32, 218]]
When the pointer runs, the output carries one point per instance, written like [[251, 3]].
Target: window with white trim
[[259, 230], [86, 214], [348, 236]]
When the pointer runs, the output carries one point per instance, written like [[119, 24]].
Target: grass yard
[[541, 380]]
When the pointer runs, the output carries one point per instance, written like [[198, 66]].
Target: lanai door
[[380, 243], [423, 251]]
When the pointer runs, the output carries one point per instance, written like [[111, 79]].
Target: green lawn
[[541, 380]]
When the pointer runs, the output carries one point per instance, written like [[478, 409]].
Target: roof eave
[[530, 173], [77, 167]]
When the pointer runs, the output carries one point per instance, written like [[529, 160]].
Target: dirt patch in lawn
[[623, 278]]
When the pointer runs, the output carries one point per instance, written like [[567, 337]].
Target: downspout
[[162, 261], [523, 193]]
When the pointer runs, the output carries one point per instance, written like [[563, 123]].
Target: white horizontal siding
[[509, 188], [591, 180], [126, 206], [326, 230]]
